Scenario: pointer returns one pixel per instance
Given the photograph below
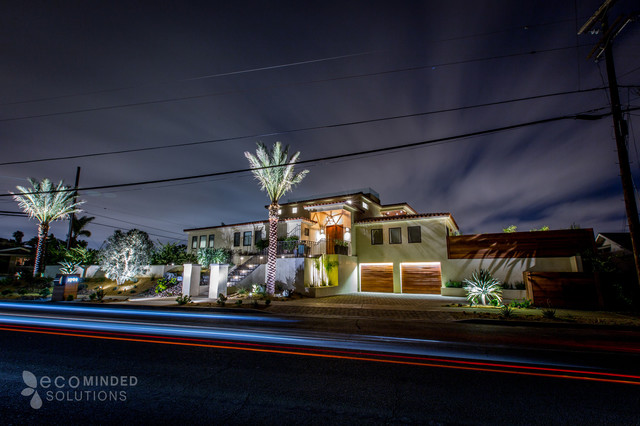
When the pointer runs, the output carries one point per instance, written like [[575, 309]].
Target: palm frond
[[45, 202], [274, 170]]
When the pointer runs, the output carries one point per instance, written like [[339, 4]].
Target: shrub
[[525, 304], [453, 284], [549, 313], [22, 291], [520, 285], [239, 302], [183, 300], [99, 294], [506, 312], [267, 302], [210, 256], [258, 290], [242, 291], [70, 298], [483, 287], [45, 292], [7, 291]]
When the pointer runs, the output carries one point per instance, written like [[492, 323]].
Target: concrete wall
[[289, 273], [433, 248], [347, 277], [94, 271]]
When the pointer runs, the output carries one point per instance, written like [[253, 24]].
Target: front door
[[334, 232]]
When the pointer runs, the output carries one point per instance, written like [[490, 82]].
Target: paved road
[[191, 378], [190, 384]]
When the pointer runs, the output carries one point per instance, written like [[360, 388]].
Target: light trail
[[477, 366], [142, 313]]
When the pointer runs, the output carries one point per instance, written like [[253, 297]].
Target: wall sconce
[[347, 234]]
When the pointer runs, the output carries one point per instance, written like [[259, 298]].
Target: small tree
[[125, 255], [509, 229]]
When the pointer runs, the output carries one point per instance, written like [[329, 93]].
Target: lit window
[[414, 234], [246, 238], [236, 239], [376, 236], [203, 241], [365, 206], [194, 243], [294, 210], [395, 235], [211, 239]]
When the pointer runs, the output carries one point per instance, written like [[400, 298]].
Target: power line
[[229, 92], [133, 223], [580, 116], [278, 66], [155, 235], [303, 129]]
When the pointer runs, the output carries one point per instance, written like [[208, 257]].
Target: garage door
[[378, 277], [421, 278]]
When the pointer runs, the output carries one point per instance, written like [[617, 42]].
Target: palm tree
[[45, 203], [274, 170], [78, 225]]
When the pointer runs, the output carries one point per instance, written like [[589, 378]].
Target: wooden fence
[[563, 243], [577, 290]]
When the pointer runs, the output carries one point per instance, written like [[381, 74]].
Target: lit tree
[[45, 203], [274, 170], [125, 255]]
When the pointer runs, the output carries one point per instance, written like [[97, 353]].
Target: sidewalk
[[404, 307]]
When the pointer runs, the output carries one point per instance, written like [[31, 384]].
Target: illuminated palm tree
[[274, 170], [45, 203]]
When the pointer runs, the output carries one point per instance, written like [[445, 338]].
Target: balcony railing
[[305, 248]]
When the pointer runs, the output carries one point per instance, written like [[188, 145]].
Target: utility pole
[[73, 216], [604, 46]]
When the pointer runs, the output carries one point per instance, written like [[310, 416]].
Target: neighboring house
[[379, 248], [615, 243], [15, 259]]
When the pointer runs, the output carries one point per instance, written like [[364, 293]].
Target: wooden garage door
[[421, 278], [376, 278]]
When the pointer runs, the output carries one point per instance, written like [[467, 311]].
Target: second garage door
[[376, 277], [421, 278]]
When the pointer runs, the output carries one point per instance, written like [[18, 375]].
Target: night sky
[[87, 77]]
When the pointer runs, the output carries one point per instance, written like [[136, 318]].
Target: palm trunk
[[273, 248], [43, 230]]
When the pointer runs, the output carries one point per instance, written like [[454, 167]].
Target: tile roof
[[248, 223]]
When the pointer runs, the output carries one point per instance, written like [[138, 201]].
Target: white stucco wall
[[433, 248]]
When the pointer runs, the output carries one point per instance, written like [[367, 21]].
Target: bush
[[211, 256], [506, 312], [163, 283], [453, 284], [183, 300], [70, 298], [267, 302], [483, 287], [525, 304], [239, 302], [520, 285], [7, 291], [258, 290], [45, 292], [99, 294]]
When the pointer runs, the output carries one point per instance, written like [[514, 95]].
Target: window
[[258, 236], [203, 241], [306, 232], [395, 235], [246, 238], [414, 234], [194, 243], [366, 207], [376, 236], [236, 239], [294, 210], [211, 240]]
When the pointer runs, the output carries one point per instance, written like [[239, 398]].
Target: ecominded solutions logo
[[76, 388]]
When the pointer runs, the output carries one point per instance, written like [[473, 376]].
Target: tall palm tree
[[78, 225], [45, 203], [274, 170]]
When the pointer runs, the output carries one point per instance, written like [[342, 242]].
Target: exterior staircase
[[238, 273]]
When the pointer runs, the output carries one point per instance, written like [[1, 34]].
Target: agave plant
[[482, 286]]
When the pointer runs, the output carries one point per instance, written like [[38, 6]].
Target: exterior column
[[191, 280], [218, 280]]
